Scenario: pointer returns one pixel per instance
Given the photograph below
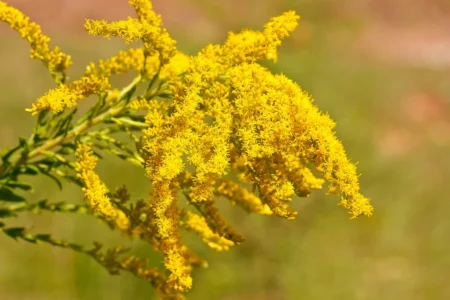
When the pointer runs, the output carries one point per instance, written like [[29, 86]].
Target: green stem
[[114, 111], [130, 122], [77, 130], [43, 205], [110, 259]]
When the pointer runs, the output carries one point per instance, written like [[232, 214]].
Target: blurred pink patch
[[424, 46], [67, 15], [431, 113], [412, 32], [424, 118], [396, 142]]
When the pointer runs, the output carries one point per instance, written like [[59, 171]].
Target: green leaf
[[41, 116], [73, 179], [87, 116], [19, 185], [15, 232], [56, 180], [8, 195], [165, 96], [6, 156], [66, 123], [29, 170], [29, 238], [24, 144], [67, 149], [39, 135], [43, 237], [63, 125], [6, 213]]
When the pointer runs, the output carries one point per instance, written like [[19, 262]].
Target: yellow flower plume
[[55, 60], [146, 28], [198, 224], [95, 191], [67, 95]]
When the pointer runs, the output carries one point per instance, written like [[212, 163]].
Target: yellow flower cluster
[[55, 60], [147, 27], [135, 59], [124, 61], [66, 95], [280, 131], [251, 46], [176, 66], [164, 203], [199, 225], [95, 190], [239, 195], [157, 57], [225, 112], [229, 111]]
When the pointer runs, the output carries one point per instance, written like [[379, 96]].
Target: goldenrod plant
[[196, 119]]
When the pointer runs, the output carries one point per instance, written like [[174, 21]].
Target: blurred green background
[[380, 68]]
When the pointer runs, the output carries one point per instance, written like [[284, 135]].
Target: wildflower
[[225, 98], [144, 11], [212, 113], [177, 65], [67, 95], [112, 96], [130, 30], [165, 208], [121, 220], [146, 28], [124, 61], [95, 190], [250, 46], [276, 124], [55, 60], [139, 267], [239, 195], [288, 123], [132, 59], [199, 225]]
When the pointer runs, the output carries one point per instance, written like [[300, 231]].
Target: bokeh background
[[380, 68]]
